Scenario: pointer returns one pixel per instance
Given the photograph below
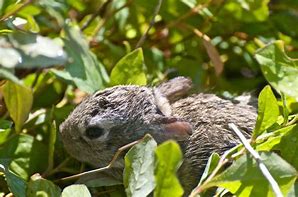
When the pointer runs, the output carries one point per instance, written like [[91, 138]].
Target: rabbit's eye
[[94, 132]]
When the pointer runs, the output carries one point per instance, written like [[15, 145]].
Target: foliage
[[138, 175], [52, 53]]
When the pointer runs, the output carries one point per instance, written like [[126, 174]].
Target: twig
[[293, 121], [106, 167], [56, 169], [258, 159], [211, 50], [108, 16], [152, 22], [99, 11], [16, 10], [285, 109], [188, 14]]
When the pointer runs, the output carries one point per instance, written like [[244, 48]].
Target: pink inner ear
[[178, 128]]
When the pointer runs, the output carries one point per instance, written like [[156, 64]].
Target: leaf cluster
[[53, 53]]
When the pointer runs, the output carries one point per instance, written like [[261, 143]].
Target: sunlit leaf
[[77, 190], [28, 50], [293, 191], [10, 57], [244, 178], [139, 168], [7, 7], [18, 100], [210, 166], [5, 129], [267, 111], [279, 70], [84, 68], [168, 160], [129, 69], [274, 139]]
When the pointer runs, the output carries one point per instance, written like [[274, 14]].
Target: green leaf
[[267, 111], [169, 159], [288, 146], [15, 184], [139, 168], [279, 70], [84, 68], [274, 139], [210, 166], [5, 129], [27, 155], [244, 178], [38, 186], [293, 191], [129, 69], [4, 6], [26, 50], [18, 100], [77, 190], [52, 141], [9, 57], [48, 90]]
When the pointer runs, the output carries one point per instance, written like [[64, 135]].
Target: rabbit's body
[[209, 115], [111, 118]]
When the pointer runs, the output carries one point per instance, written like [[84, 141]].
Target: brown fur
[[127, 113]]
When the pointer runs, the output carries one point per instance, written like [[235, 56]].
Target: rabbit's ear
[[162, 103], [175, 88], [177, 129]]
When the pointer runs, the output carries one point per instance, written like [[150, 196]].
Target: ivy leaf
[[18, 100], [169, 158], [139, 168], [267, 111], [279, 70], [244, 178], [129, 69]]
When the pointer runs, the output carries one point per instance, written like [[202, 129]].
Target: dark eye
[[94, 132], [159, 112]]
